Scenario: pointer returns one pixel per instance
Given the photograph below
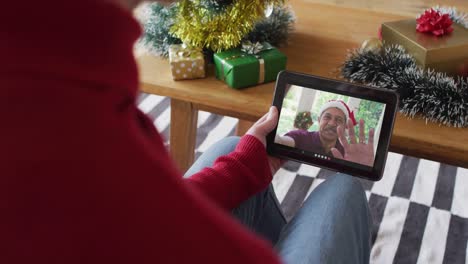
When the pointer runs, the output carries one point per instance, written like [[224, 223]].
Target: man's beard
[[330, 129], [329, 133]]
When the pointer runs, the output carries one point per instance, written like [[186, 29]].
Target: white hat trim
[[336, 104]]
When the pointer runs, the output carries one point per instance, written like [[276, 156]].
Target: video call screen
[[330, 126]]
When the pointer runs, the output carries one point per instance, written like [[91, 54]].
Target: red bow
[[434, 22]]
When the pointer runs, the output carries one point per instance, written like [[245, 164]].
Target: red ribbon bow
[[434, 22]]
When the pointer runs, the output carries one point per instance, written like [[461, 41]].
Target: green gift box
[[251, 64]]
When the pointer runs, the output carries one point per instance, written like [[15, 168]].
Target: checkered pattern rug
[[419, 208]]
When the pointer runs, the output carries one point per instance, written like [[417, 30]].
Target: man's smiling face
[[330, 119]]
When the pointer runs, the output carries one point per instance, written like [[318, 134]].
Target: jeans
[[333, 225]]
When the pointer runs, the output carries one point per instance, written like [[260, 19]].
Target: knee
[[232, 139], [347, 183], [228, 143], [220, 148], [349, 191]]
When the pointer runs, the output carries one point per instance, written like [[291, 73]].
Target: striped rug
[[419, 208]]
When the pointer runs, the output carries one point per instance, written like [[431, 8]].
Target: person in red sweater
[[85, 178]]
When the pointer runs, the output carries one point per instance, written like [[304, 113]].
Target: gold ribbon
[[261, 74], [183, 51], [249, 49]]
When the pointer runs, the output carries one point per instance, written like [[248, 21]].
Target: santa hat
[[349, 115]]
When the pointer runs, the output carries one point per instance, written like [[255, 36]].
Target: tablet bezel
[[388, 97]]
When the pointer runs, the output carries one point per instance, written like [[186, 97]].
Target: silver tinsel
[[276, 28], [157, 23], [434, 95]]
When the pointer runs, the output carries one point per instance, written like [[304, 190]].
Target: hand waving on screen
[[261, 129], [358, 152]]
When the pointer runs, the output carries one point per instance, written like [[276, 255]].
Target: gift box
[[186, 63], [251, 64], [442, 53]]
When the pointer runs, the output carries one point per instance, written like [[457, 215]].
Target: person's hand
[[261, 129], [285, 140], [359, 152]]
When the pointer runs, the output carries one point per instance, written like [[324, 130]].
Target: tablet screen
[[330, 126]]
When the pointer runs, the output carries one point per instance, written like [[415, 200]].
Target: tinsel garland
[[215, 6], [434, 95], [198, 27], [274, 29], [157, 37]]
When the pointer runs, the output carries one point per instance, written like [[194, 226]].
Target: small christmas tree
[[217, 25]]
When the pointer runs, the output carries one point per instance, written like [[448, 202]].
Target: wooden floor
[[400, 7]]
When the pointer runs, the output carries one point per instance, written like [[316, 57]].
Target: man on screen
[[330, 140]]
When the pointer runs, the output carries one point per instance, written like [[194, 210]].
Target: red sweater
[[84, 176]]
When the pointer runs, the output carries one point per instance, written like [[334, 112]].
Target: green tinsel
[[157, 37], [434, 95], [274, 29], [215, 6]]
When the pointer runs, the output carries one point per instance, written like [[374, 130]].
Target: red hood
[[92, 38]]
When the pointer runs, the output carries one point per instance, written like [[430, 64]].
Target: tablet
[[331, 124]]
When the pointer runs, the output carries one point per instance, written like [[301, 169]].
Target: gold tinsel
[[198, 27]]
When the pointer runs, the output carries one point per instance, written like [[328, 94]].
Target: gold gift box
[[186, 63], [444, 53]]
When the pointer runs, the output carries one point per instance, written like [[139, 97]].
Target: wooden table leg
[[183, 133], [242, 127]]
